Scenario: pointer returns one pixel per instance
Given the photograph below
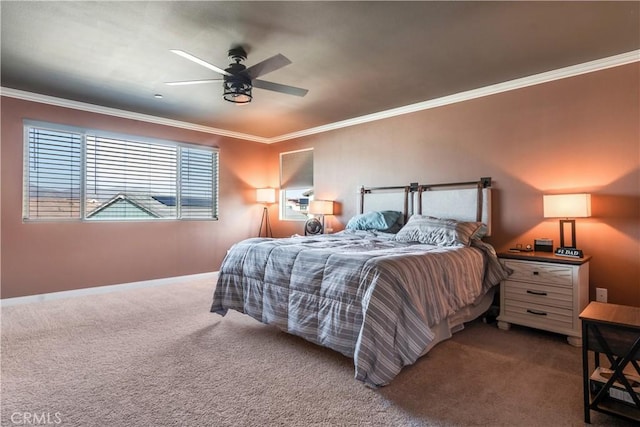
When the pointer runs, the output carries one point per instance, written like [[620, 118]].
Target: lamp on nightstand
[[567, 206], [321, 208], [266, 196]]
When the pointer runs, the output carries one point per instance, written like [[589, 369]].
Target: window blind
[[125, 178], [98, 176], [296, 169], [53, 174], [198, 183]]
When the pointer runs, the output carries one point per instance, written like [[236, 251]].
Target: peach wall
[[580, 134], [577, 134], [52, 256]]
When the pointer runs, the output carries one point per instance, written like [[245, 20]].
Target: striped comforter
[[362, 294]]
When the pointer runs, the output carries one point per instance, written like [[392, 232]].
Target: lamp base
[[569, 252], [265, 222]]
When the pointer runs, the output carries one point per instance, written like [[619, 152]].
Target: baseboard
[[6, 302]]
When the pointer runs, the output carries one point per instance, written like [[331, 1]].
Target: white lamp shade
[[266, 195], [321, 207], [567, 205]]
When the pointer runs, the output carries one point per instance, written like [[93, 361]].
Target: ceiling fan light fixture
[[237, 90]]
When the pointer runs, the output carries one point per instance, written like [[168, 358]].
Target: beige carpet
[[157, 357]]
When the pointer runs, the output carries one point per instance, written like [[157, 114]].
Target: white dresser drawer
[[544, 291], [556, 296], [539, 316], [539, 272]]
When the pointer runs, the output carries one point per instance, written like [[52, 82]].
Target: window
[[296, 184], [198, 185], [53, 174], [83, 174]]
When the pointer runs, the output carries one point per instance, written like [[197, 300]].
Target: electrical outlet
[[601, 294]]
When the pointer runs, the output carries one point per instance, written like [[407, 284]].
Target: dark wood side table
[[614, 331]]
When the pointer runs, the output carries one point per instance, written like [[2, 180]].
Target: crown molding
[[536, 79], [94, 108]]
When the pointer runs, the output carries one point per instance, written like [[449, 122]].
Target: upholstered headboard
[[463, 201], [463, 204], [387, 198]]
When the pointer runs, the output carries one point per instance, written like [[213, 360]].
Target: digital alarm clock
[[543, 245]]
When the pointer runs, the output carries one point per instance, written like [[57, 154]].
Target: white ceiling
[[356, 58]]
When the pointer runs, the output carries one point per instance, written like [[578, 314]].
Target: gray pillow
[[439, 231]]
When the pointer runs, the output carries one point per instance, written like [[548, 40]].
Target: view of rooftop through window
[[78, 174]]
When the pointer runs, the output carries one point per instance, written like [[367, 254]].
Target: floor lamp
[[266, 196]]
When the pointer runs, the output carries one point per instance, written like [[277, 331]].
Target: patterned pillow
[[376, 220], [440, 232]]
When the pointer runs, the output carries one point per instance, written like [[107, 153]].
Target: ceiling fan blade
[[199, 61], [268, 65], [277, 87], [193, 82]]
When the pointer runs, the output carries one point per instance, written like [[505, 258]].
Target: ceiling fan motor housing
[[237, 53]]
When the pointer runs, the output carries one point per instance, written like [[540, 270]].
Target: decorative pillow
[[440, 232], [387, 221]]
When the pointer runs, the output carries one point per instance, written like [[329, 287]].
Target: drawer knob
[[537, 313], [535, 273], [543, 294]]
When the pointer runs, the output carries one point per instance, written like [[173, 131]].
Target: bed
[[384, 291]]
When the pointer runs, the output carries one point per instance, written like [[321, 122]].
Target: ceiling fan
[[238, 80]]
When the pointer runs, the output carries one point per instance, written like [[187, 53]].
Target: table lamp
[[567, 207], [320, 208]]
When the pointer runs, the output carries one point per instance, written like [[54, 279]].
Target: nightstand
[[545, 291]]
